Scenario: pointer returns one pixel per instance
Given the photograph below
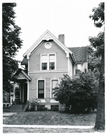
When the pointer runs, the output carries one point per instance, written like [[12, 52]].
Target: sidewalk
[[7, 114], [41, 129]]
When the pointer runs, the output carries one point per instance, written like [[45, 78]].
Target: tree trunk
[[100, 117]]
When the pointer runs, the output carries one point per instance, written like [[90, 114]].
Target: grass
[[50, 118]]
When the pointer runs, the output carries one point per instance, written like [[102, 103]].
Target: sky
[[67, 17]]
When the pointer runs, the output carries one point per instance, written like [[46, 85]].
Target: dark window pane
[[41, 89], [44, 66], [51, 65], [41, 84], [40, 95]]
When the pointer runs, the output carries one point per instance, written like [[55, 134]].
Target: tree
[[94, 62], [11, 43], [79, 93], [98, 43]]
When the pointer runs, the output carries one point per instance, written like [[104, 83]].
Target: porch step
[[16, 108]]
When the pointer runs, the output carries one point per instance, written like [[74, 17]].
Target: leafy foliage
[[99, 43], [11, 43], [80, 93], [33, 104], [94, 62], [98, 15]]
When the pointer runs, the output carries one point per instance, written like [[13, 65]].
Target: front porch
[[23, 81]]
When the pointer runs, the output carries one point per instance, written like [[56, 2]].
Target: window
[[51, 61], [44, 61], [48, 61], [54, 84], [78, 70], [41, 89]]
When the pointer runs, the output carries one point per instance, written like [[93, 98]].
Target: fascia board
[[54, 38], [26, 76], [35, 44]]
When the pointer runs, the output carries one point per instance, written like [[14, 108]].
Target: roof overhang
[[20, 75], [48, 36]]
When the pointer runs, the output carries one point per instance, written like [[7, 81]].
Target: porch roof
[[21, 75]]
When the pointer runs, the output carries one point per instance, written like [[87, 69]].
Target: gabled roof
[[24, 61], [49, 36], [80, 53], [20, 75]]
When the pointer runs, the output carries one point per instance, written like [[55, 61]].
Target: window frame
[[51, 95], [37, 92], [48, 61], [40, 89]]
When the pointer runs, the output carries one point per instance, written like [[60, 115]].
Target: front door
[[40, 88]]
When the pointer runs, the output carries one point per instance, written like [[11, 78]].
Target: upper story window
[[48, 61], [51, 61], [44, 61]]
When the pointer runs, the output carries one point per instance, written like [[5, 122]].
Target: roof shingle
[[80, 53]]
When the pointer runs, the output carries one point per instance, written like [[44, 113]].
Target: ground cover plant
[[50, 118]]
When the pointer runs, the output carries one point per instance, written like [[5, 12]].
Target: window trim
[[51, 86], [47, 61], [44, 88]]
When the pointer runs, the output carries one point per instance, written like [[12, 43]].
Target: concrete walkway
[[47, 126], [7, 114]]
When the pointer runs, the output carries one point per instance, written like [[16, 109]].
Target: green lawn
[[50, 118]]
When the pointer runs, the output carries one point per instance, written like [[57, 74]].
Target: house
[[45, 63]]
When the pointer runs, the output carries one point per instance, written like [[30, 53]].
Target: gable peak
[[47, 36]]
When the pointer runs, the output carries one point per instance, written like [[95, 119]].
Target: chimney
[[61, 38]]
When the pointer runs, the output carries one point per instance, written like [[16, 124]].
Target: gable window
[[48, 61], [51, 61], [54, 85], [40, 88], [44, 61]]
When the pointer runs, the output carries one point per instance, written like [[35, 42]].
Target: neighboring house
[[9, 98], [5, 97], [45, 63]]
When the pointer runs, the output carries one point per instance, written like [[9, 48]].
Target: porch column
[[20, 91], [27, 90], [14, 93]]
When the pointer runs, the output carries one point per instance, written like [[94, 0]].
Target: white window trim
[[51, 85], [44, 87], [47, 62]]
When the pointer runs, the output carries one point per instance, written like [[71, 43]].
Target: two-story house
[[45, 63]]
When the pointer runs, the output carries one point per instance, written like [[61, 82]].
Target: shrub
[[79, 94], [41, 107], [33, 104], [54, 107]]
